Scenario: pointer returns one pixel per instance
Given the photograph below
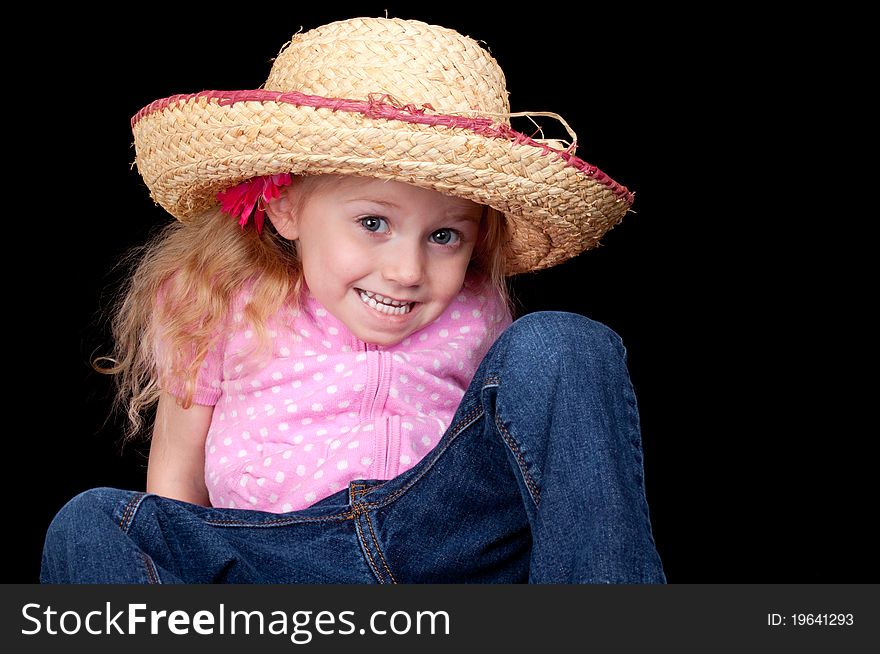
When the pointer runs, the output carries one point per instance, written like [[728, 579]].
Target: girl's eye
[[446, 236], [374, 224]]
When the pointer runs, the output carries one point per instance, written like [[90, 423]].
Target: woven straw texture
[[387, 98]]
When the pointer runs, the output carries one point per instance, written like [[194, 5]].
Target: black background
[[754, 468]]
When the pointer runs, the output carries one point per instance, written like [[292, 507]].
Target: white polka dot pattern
[[325, 408]]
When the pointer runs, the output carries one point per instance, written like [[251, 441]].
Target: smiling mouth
[[385, 305]]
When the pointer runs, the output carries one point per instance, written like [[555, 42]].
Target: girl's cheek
[[352, 250]]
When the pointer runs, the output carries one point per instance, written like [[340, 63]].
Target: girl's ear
[[281, 213]]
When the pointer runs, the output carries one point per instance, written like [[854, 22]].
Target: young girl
[[342, 393]]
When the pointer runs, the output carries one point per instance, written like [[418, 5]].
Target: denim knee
[[73, 530], [79, 514], [562, 336], [102, 499]]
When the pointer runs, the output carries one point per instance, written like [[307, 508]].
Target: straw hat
[[391, 99]]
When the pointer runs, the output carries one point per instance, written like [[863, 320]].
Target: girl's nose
[[404, 265]]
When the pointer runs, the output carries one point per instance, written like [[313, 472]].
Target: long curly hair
[[184, 280]]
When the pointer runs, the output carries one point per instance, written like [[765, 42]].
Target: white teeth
[[385, 305], [386, 300]]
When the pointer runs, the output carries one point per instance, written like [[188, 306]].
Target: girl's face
[[385, 258]]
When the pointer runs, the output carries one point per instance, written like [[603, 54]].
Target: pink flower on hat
[[241, 200]]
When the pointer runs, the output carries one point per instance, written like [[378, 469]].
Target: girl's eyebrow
[[386, 203], [465, 215], [466, 218]]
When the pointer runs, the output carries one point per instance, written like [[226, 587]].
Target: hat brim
[[191, 147]]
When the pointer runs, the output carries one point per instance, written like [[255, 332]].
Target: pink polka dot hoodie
[[327, 408]]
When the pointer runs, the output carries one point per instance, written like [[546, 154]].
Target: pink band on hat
[[382, 106]]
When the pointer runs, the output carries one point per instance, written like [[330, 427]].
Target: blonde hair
[[185, 279]]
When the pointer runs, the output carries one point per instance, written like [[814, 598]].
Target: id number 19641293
[[810, 619]]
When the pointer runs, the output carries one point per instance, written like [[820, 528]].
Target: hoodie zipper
[[380, 373], [377, 391]]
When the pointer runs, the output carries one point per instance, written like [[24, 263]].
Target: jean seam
[[152, 573], [280, 521], [638, 454], [125, 522], [129, 512], [527, 477], [378, 549], [359, 489], [365, 546], [514, 448]]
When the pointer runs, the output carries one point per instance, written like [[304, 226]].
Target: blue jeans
[[538, 479]]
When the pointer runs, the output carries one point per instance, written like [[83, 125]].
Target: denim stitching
[[125, 514], [122, 519], [365, 545], [511, 443], [152, 575], [638, 452], [379, 549], [128, 513], [536, 495], [281, 521], [359, 489]]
